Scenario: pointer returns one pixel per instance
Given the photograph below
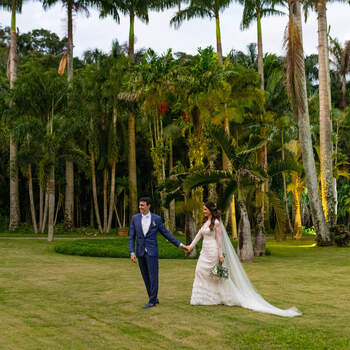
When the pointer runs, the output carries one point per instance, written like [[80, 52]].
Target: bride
[[235, 290]]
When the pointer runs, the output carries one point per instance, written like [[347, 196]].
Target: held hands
[[133, 258], [186, 248]]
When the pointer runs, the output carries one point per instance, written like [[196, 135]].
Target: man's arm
[[170, 237], [132, 235]]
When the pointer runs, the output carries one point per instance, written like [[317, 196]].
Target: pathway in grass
[[54, 301]]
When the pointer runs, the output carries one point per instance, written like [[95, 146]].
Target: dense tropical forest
[[262, 135]]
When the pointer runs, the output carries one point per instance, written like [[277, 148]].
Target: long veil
[[247, 295]]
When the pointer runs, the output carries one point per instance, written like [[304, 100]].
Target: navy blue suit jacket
[[149, 241]]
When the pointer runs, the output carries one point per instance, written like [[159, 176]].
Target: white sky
[[92, 32]]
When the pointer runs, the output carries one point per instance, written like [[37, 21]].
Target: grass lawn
[[54, 301]]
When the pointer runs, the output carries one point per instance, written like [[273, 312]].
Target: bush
[[341, 235], [309, 231], [113, 248], [119, 248]]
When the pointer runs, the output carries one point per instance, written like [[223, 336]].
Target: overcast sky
[[92, 32]]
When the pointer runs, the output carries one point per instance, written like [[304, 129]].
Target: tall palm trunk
[[131, 34], [245, 248], [94, 193], [41, 207], [260, 239], [343, 91], [14, 194], [132, 166], [218, 34], [132, 139], [112, 193], [31, 198], [298, 228], [172, 206], [326, 145], [46, 205], [260, 52], [285, 202], [51, 199], [69, 197], [302, 113], [105, 208]]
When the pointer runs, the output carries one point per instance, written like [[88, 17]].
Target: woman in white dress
[[235, 290]]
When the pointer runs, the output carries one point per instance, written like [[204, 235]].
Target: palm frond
[[294, 64], [190, 13], [220, 136], [205, 178], [226, 198]]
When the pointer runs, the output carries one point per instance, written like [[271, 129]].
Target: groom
[[145, 226]]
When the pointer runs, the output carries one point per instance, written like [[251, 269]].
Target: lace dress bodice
[[211, 238]]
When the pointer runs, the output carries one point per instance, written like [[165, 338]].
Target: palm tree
[[341, 61], [244, 174], [139, 9], [46, 107], [256, 10], [328, 182], [296, 88], [202, 9], [71, 6], [14, 6]]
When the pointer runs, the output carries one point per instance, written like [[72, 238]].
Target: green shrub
[[114, 248], [119, 248], [341, 235], [309, 231]]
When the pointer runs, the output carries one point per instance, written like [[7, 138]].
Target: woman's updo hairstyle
[[214, 213]]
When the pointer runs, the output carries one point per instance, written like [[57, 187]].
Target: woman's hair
[[214, 213]]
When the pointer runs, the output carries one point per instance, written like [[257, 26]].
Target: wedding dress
[[235, 290]]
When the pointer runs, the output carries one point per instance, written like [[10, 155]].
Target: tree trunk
[[51, 199], [69, 196], [58, 206], [112, 193], [12, 74], [105, 208], [260, 53], [326, 145], [172, 206], [132, 167], [14, 194], [298, 226], [317, 213], [245, 248], [218, 35], [233, 218], [260, 239], [94, 194], [41, 208], [285, 202], [343, 91], [46, 207], [131, 34], [31, 198], [190, 232]]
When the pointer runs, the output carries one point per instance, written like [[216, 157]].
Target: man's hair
[[145, 199]]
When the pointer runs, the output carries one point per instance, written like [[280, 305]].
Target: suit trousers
[[149, 270]]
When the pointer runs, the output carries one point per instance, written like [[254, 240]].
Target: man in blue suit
[[145, 226]]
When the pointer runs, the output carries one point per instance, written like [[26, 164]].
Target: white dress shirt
[[146, 222]]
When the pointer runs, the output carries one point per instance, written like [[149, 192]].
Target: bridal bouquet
[[219, 271]]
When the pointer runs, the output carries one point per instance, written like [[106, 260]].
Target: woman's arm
[[196, 239], [218, 233]]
